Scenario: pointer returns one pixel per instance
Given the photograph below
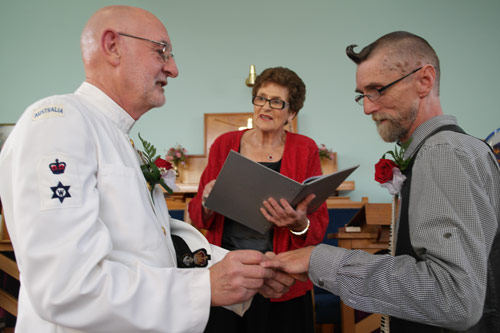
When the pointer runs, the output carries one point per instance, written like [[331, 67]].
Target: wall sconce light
[[249, 124], [251, 76]]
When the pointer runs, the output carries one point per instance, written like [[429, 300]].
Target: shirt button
[[321, 283], [447, 235], [164, 231]]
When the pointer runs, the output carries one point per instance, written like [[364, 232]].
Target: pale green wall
[[215, 42]]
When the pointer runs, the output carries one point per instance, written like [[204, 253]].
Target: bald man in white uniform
[[94, 249]]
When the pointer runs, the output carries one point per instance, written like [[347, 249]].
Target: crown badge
[[57, 167]]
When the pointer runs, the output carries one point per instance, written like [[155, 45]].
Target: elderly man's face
[[397, 108], [144, 69]]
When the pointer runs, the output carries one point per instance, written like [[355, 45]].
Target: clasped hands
[[243, 273]]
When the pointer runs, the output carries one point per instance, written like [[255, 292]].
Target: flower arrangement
[[155, 169], [176, 155], [325, 153], [388, 172]]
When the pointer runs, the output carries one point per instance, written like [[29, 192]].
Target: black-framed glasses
[[374, 94], [273, 103], [165, 53]]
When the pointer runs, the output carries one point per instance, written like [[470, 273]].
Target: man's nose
[[170, 67], [368, 106]]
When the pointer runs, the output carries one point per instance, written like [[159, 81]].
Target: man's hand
[[295, 263], [238, 277], [278, 285]]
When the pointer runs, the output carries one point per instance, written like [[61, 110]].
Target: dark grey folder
[[243, 185]]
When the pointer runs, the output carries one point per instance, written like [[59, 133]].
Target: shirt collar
[[107, 106], [425, 129]]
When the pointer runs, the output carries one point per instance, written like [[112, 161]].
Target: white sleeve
[[76, 269]]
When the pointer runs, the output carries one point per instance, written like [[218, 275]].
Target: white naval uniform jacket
[[93, 253]]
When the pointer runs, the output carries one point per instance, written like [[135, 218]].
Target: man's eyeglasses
[[165, 53], [374, 94], [273, 103]]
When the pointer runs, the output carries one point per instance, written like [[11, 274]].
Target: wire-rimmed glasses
[[164, 52], [374, 94]]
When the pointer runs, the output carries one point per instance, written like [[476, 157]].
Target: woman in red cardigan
[[278, 95]]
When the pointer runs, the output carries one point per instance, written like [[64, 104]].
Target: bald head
[[126, 53], [118, 18]]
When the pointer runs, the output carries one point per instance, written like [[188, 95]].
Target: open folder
[[243, 185]]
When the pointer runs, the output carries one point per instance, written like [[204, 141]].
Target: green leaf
[[398, 155], [151, 172], [154, 170], [392, 154], [149, 177], [149, 150]]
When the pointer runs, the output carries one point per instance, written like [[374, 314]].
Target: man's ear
[[427, 80], [110, 47]]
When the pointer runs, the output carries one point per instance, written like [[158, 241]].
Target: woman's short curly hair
[[287, 78]]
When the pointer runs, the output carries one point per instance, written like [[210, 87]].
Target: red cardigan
[[300, 161]]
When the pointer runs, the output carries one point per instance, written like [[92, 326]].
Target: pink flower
[[325, 153]]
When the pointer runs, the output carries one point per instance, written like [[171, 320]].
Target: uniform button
[[321, 283], [447, 235], [164, 231]]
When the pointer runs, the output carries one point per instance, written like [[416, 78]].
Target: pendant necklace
[[270, 157]]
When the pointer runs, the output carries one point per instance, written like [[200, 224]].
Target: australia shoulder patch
[[48, 111]]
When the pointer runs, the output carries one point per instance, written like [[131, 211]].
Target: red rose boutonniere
[[155, 169], [388, 172]]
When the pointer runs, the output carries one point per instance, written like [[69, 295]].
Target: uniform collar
[[422, 131], [107, 106]]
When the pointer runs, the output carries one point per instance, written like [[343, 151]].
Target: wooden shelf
[[187, 188], [347, 185]]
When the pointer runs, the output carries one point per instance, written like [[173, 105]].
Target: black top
[[236, 236]]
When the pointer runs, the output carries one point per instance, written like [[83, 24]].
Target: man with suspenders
[[445, 273]]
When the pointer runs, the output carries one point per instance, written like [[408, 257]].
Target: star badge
[[60, 192]]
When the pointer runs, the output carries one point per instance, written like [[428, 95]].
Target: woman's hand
[[283, 215], [206, 191]]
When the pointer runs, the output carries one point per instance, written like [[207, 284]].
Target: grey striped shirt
[[454, 216]]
